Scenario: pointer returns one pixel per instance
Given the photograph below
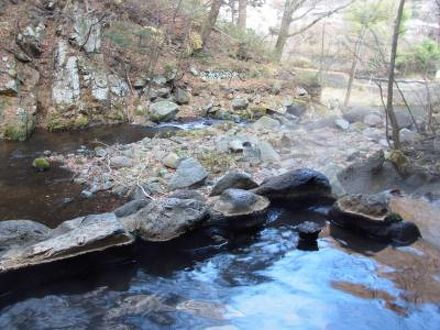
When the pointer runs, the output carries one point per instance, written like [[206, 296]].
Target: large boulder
[[233, 179], [371, 216], [370, 176], [166, 219], [20, 232], [358, 114], [163, 111], [71, 239], [300, 185], [240, 209], [189, 173]]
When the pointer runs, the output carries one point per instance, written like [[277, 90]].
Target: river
[[259, 280]]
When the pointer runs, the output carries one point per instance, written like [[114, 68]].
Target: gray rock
[[163, 111], [118, 87], [166, 219], [233, 179], [182, 96], [30, 38], [371, 215], [297, 185], [194, 71], [408, 136], [373, 134], [331, 171], [342, 124], [189, 173], [240, 104], [159, 80], [373, 120], [120, 161], [171, 160], [404, 119], [296, 109], [66, 85], [267, 123], [237, 202], [139, 83], [370, 176], [267, 153], [358, 114], [187, 194], [21, 232], [72, 238], [131, 207], [86, 194], [240, 209], [87, 32], [152, 186]]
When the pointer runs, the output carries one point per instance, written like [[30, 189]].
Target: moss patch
[[41, 164]]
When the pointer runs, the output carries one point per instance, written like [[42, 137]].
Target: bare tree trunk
[[283, 33], [211, 20], [357, 50], [429, 106], [390, 97], [242, 14], [233, 11]]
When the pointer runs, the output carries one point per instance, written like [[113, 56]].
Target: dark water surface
[[258, 281], [51, 197]]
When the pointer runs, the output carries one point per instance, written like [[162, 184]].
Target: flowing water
[[259, 280]]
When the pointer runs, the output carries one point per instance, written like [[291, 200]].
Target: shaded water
[[257, 281], [51, 197]]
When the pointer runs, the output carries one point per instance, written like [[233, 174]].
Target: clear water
[[258, 281]]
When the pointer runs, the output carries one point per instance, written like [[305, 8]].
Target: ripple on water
[[264, 284]]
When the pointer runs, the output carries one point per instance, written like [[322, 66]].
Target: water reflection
[[258, 281]]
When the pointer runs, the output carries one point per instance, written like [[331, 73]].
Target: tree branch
[[320, 18]]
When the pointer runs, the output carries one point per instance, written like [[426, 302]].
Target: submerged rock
[[241, 208], [372, 216], [234, 179], [302, 185], [189, 173], [166, 219], [71, 239]]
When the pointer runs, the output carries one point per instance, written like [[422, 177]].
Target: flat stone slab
[[71, 239]]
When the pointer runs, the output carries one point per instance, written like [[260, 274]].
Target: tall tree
[[391, 74], [364, 16], [242, 13], [290, 8], [211, 20]]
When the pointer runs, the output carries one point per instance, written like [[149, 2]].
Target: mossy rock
[[41, 164]]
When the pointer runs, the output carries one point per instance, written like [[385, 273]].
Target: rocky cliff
[[58, 68]]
